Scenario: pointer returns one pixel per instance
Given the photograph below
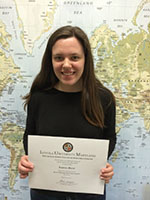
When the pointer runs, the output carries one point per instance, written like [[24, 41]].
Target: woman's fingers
[[107, 173], [25, 166], [23, 175], [25, 162]]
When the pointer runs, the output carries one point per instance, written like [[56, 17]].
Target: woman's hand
[[25, 166], [107, 173]]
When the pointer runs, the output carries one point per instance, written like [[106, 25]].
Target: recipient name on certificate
[[67, 164]]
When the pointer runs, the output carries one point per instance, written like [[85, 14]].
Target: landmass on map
[[9, 73], [11, 136], [35, 18]]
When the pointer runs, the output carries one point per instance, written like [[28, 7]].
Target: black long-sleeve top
[[57, 113]]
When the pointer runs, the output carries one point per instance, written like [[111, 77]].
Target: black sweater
[[57, 113]]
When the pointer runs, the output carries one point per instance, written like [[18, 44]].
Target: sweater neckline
[[65, 92]]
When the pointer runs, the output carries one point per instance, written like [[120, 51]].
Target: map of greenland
[[35, 18]]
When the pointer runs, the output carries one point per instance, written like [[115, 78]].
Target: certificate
[[67, 164]]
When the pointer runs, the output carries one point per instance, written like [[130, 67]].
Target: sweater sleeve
[[110, 123], [30, 123]]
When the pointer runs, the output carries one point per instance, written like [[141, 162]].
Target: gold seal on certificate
[[67, 164]]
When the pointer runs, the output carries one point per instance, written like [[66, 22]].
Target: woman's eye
[[75, 58], [58, 58]]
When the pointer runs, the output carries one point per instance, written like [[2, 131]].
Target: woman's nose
[[66, 63]]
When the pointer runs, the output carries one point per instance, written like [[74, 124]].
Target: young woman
[[67, 100]]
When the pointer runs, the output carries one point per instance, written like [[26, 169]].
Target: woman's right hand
[[25, 166]]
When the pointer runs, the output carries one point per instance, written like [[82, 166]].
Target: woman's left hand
[[107, 173]]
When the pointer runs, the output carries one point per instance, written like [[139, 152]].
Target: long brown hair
[[90, 101]]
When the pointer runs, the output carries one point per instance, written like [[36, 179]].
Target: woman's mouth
[[67, 73]]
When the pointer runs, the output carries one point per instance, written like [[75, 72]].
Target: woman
[[67, 100]]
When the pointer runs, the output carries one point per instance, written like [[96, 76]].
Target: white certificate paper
[[67, 164]]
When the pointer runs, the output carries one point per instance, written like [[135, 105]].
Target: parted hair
[[90, 101]]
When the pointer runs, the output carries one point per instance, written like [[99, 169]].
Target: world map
[[119, 34]]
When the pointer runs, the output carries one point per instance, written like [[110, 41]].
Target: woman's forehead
[[68, 44]]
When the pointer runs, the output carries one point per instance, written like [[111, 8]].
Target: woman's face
[[68, 63]]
